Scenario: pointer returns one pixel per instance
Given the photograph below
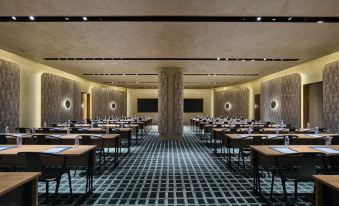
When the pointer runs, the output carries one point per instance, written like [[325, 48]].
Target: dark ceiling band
[[274, 19]]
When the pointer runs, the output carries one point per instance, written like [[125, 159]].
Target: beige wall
[[316, 105], [132, 99], [310, 72], [134, 94], [30, 86]]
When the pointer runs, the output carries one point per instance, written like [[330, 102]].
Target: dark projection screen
[[147, 105], [194, 105]]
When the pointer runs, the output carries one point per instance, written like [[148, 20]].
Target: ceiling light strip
[[256, 19], [167, 59]]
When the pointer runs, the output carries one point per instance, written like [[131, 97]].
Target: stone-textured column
[[162, 103], [170, 104]]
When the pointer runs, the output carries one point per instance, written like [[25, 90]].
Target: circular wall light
[[273, 104], [227, 106], [113, 105], [67, 104]]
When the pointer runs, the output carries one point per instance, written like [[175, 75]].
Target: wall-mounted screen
[[147, 105], [194, 105]]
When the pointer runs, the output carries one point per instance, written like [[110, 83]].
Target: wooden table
[[263, 156], [17, 188], [83, 155], [327, 190]]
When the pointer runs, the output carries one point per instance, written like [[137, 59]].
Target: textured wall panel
[[286, 91], [9, 95], [162, 103], [178, 102], [237, 98], [102, 98], [331, 96], [54, 91]]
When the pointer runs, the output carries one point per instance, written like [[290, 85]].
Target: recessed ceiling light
[[31, 18], [273, 19], [264, 59], [209, 75], [259, 18], [243, 60], [253, 60], [84, 18], [14, 18], [214, 75], [218, 58], [320, 22], [289, 19], [67, 18]]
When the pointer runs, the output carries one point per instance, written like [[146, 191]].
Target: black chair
[[335, 140], [87, 140], [297, 167], [23, 130], [280, 140], [244, 146], [41, 139], [36, 162], [3, 139]]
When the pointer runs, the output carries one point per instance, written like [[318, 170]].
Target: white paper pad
[[273, 136], [56, 150], [284, 150], [5, 147], [328, 150], [56, 135], [313, 135], [19, 135], [244, 135]]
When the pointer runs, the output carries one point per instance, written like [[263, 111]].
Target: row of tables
[[77, 156]]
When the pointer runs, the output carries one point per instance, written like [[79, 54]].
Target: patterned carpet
[[182, 172]]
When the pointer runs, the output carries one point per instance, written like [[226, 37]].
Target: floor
[[184, 172]]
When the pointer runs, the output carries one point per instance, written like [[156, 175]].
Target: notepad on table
[[244, 135], [5, 147], [56, 135], [97, 135], [19, 135], [284, 150], [327, 150], [56, 150], [313, 135]]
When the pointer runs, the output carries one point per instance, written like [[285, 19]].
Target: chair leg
[[295, 190], [47, 190], [57, 185], [75, 172], [272, 184], [70, 183], [284, 188], [104, 156]]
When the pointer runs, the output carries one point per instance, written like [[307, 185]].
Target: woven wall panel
[[162, 103], [237, 98], [54, 91], [178, 102], [331, 96], [286, 91], [102, 99], [9, 95]]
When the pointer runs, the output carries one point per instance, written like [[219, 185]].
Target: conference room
[[169, 102]]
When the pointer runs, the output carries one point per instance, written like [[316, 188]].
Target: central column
[[170, 92]]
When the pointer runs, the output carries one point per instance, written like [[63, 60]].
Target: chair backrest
[[305, 162], [37, 161], [245, 142], [335, 140], [22, 130], [86, 140], [3, 139], [41, 139]]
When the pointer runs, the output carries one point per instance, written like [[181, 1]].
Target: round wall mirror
[[113, 105], [67, 104], [227, 106], [273, 104]]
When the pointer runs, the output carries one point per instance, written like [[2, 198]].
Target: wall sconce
[[227, 106], [67, 104], [274, 104], [113, 105]]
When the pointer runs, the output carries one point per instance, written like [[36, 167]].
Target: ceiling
[[39, 40]]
